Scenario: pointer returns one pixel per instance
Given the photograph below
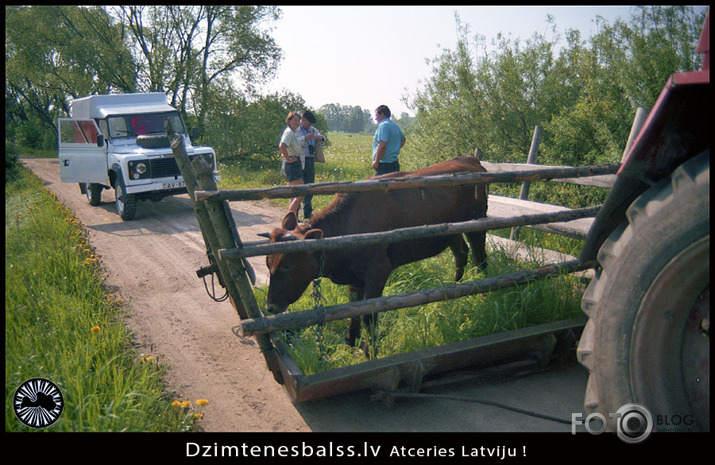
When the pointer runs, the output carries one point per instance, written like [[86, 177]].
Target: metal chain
[[318, 300]]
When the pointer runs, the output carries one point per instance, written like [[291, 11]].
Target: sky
[[373, 55]]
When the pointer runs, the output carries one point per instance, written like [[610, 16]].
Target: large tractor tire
[[647, 340]]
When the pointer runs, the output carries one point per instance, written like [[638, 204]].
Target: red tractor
[[647, 340]]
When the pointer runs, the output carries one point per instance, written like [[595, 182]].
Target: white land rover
[[119, 141]]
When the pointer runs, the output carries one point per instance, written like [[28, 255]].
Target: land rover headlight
[[137, 169]]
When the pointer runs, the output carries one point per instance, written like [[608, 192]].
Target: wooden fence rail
[[600, 180], [253, 249], [535, 173], [322, 315]]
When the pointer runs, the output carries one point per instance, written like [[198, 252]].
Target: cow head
[[291, 273]]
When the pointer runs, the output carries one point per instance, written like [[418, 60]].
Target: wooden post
[[227, 236], [531, 160], [209, 233], [638, 121], [219, 232]]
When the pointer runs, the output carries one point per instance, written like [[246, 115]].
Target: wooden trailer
[[528, 349]]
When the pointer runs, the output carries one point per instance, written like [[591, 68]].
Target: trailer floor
[[556, 393]]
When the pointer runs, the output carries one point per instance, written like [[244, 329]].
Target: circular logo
[[634, 423], [38, 403]]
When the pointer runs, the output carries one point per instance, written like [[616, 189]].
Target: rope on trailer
[[212, 292], [382, 394]]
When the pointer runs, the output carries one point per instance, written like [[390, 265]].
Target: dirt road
[[151, 263]]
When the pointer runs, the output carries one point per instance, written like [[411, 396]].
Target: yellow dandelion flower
[[185, 403], [148, 358], [176, 403], [202, 402], [199, 416], [96, 329]]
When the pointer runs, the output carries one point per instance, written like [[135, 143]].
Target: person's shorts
[[385, 168], [292, 171]]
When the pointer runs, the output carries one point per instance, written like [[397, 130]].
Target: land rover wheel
[[93, 193], [647, 340], [126, 203]]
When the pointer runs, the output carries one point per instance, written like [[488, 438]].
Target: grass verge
[[61, 324]]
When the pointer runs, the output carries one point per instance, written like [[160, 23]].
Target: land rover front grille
[[164, 167]]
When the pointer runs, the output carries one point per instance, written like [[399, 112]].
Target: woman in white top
[[292, 147]]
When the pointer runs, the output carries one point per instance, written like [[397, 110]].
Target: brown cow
[[366, 269]]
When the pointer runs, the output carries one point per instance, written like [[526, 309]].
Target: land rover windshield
[[132, 125]]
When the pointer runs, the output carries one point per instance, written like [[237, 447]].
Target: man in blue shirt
[[387, 143]]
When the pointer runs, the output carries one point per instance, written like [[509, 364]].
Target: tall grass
[[322, 348], [63, 325]]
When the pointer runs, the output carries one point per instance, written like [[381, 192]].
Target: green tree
[[346, 118], [590, 122], [625, 67], [241, 129], [190, 52], [185, 50], [656, 42], [56, 52], [491, 101], [585, 96], [154, 42]]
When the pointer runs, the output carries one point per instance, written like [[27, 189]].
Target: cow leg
[[370, 346], [478, 244], [354, 325], [459, 250], [478, 240], [374, 285], [380, 269]]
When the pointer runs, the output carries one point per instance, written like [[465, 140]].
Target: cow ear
[[314, 234], [290, 221]]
